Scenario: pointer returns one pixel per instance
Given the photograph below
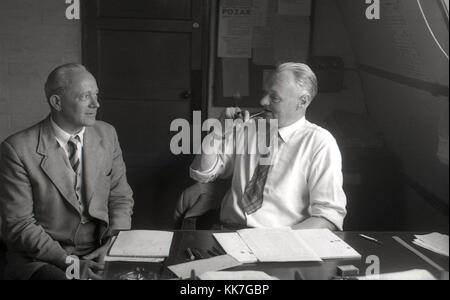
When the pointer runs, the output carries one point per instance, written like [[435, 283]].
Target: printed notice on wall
[[263, 48], [235, 29], [294, 7], [260, 12]]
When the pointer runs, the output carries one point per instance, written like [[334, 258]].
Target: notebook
[[327, 244], [284, 245], [141, 243]]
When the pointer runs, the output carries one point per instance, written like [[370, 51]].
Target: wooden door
[[149, 61]]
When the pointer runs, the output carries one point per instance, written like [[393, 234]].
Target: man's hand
[[234, 113], [89, 270], [99, 254]]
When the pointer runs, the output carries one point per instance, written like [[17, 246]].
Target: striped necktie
[[74, 157], [253, 195]]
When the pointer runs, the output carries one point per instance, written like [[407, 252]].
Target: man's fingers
[[246, 116], [96, 266], [93, 276], [92, 255]]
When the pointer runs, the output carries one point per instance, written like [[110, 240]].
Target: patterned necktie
[[74, 156], [253, 195]]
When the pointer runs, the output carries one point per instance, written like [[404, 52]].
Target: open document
[[284, 245]]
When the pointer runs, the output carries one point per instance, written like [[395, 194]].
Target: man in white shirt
[[302, 188]]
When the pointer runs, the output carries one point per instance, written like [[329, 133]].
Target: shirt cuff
[[205, 176], [334, 216]]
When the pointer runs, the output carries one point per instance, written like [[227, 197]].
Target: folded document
[[284, 245]]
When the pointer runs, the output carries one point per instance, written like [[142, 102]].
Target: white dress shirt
[[62, 138], [305, 179]]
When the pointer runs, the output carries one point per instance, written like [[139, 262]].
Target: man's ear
[[304, 101], [55, 102]]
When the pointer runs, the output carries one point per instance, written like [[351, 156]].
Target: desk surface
[[393, 257]]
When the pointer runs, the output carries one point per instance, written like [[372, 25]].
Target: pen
[[257, 114], [193, 276], [217, 251], [189, 253], [298, 276], [239, 114], [370, 239], [197, 253]]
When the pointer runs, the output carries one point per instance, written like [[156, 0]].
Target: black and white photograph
[[224, 147]]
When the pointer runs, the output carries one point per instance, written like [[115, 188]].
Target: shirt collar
[[62, 136], [287, 132]]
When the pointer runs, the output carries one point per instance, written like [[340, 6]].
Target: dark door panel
[[150, 61]]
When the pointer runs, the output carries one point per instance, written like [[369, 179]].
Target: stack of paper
[[284, 245], [141, 245], [435, 242]]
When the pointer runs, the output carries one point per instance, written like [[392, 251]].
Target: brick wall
[[35, 37]]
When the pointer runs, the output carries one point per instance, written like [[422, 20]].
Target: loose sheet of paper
[[204, 265], [277, 245], [233, 245], [238, 275], [142, 243], [435, 242], [407, 275], [326, 244]]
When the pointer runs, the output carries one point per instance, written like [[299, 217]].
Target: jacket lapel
[[93, 155], [55, 165]]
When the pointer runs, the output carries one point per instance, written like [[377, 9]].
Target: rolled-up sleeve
[[223, 165], [327, 197]]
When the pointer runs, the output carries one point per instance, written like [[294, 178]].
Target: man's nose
[[265, 101], [94, 102]]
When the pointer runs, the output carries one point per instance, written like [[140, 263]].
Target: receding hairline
[[58, 79], [300, 72]]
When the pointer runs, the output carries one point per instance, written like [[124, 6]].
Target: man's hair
[[58, 79], [304, 76]]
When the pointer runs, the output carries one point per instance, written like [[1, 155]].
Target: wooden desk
[[393, 257]]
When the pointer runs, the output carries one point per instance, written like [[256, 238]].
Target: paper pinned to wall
[[235, 30], [260, 12], [235, 77], [288, 48], [263, 47], [294, 7]]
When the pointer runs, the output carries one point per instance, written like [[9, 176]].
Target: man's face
[[79, 102], [282, 99]]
